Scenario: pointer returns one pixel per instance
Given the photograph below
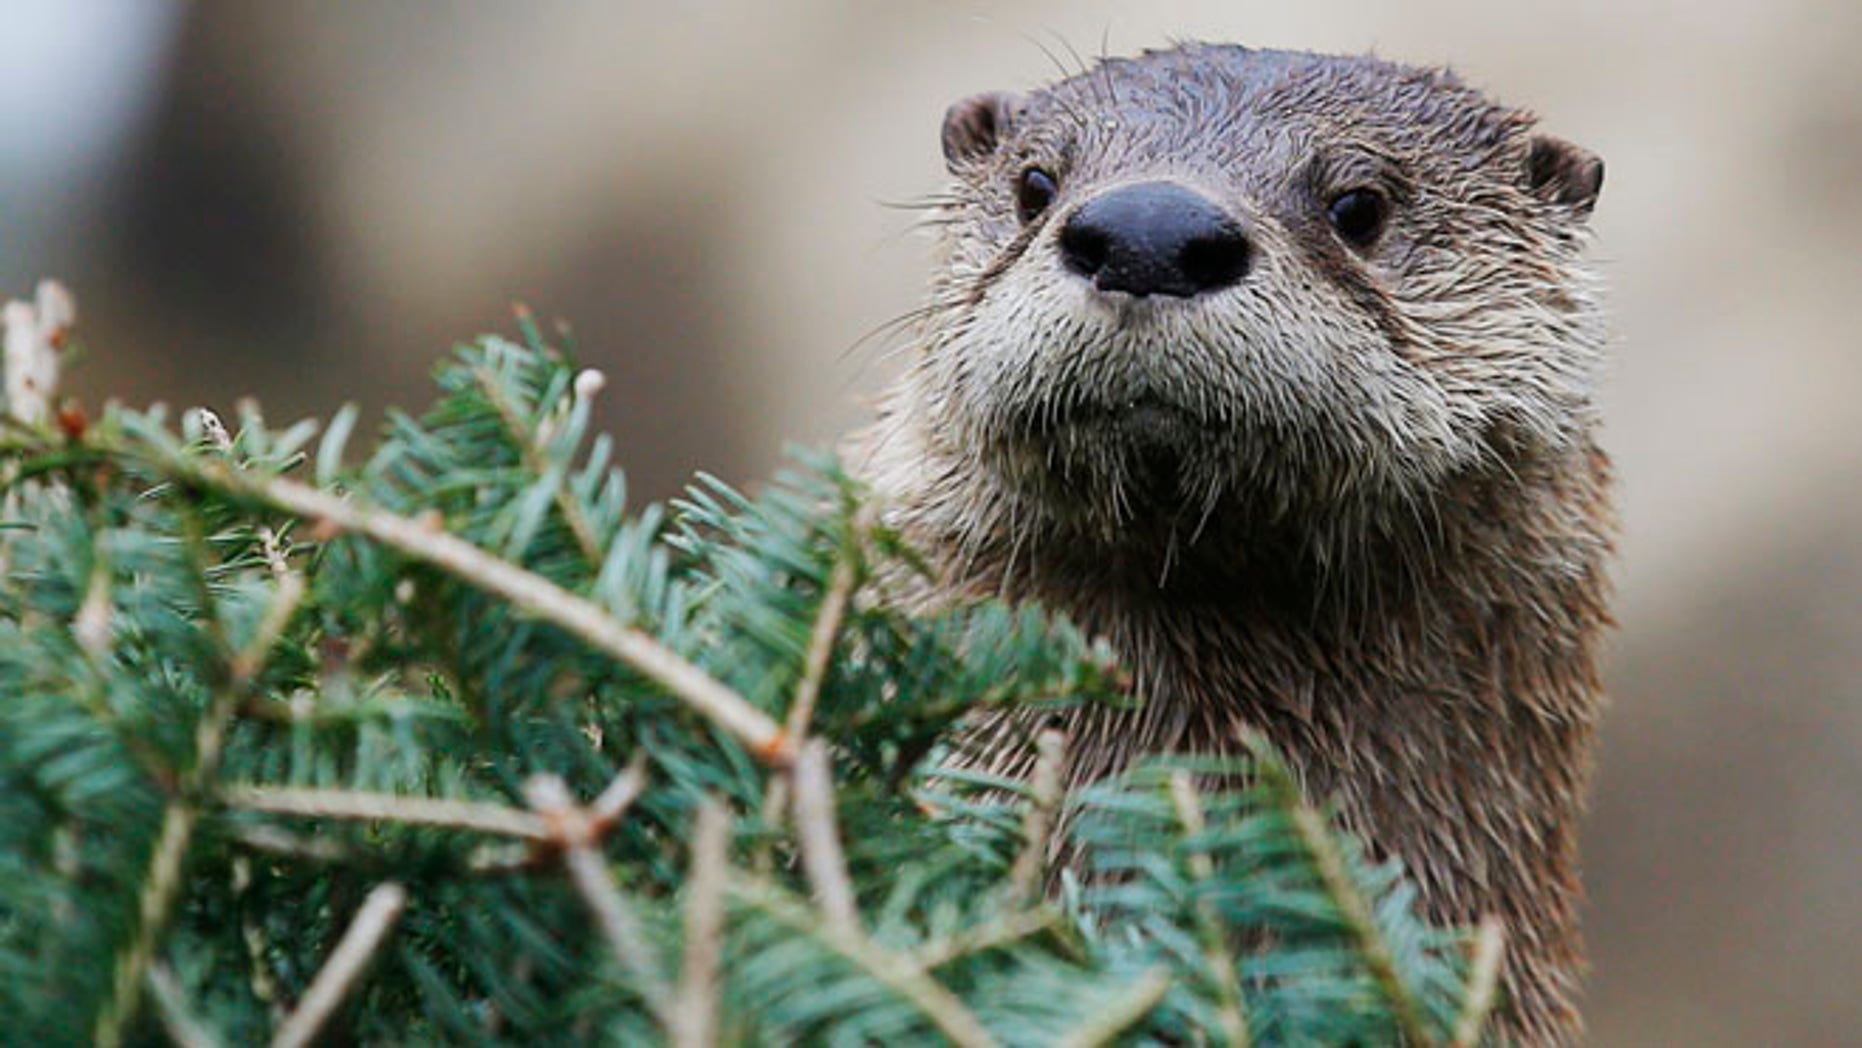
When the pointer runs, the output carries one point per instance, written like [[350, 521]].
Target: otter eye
[[1034, 190], [1358, 215]]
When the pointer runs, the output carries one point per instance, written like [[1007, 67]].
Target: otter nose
[[1155, 238]]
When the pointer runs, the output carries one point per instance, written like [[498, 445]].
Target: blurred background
[[310, 202]]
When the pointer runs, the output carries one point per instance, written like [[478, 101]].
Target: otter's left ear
[[974, 126], [1560, 172]]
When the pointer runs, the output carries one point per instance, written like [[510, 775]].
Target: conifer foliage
[[453, 746]]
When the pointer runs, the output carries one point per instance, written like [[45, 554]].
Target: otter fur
[[1277, 370]]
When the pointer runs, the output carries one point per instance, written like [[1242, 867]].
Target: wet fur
[[1354, 502]]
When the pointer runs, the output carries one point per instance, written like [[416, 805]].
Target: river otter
[[1277, 370]]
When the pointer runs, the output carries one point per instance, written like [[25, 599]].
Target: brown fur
[[1354, 502]]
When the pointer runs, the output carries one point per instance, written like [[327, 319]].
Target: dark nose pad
[[1155, 238]]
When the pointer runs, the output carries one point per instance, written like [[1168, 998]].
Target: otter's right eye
[[1034, 190]]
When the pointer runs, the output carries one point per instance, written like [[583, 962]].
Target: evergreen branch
[[1044, 787], [933, 1000], [387, 807], [820, 839], [695, 1014], [179, 818], [527, 591], [1315, 837], [571, 828], [1119, 1014], [1233, 1013], [93, 628], [535, 462], [347, 962], [1483, 983], [184, 603]]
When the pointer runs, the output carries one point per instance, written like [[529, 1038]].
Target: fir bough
[[247, 692]]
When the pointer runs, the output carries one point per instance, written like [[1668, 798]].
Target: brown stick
[[347, 962]]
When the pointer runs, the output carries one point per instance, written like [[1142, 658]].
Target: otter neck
[[1437, 681]]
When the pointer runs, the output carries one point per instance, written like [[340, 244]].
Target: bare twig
[[695, 1014], [819, 836], [1119, 1013], [248, 662], [621, 793], [821, 644], [1044, 787], [178, 1020], [369, 807], [570, 826], [898, 972], [1483, 983], [347, 962], [1233, 1014], [528, 592]]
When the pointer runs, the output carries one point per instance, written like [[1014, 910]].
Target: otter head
[[1212, 286]]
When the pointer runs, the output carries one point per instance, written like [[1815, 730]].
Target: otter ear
[[1560, 172], [973, 126]]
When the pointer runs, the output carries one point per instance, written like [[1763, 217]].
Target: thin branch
[[388, 807], [1044, 785], [1483, 982], [814, 671], [819, 837], [252, 659], [347, 962], [178, 1020], [252, 932], [695, 1011], [528, 592], [1233, 1014], [608, 809], [620, 794], [571, 827], [159, 891], [273, 841], [821, 644], [497, 860], [897, 972], [1119, 1013], [1019, 925]]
